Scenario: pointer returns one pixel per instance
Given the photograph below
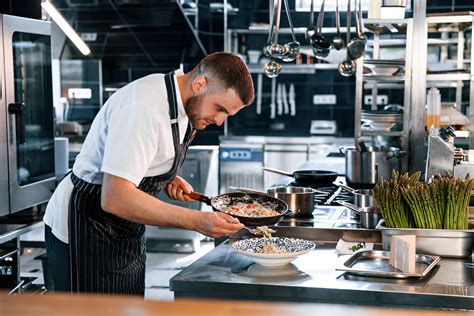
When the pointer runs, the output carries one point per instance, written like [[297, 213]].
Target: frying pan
[[219, 202], [369, 216], [308, 176]]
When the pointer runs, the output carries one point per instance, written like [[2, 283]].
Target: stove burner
[[324, 192], [324, 217]]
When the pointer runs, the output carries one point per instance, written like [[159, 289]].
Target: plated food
[[252, 209], [273, 251]]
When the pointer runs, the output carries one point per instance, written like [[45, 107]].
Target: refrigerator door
[[29, 106]]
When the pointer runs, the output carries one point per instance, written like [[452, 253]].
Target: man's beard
[[192, 108]]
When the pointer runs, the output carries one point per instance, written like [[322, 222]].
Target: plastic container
[[433, 109]]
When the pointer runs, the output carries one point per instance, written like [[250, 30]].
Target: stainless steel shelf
[[398, 26], [448, 77], [295, 69], [364, 132], [440, 41], [383, 85], [450, 23], [444, 84], [263, 30], [403, 42], [380, 78]]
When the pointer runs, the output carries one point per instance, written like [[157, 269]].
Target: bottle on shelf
[[433, 109]]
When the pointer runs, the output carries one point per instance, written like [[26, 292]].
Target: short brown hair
[[230, 71]]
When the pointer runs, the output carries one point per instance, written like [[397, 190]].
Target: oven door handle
[[17, 109]]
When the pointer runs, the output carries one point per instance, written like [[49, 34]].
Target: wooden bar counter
[[85, 305]]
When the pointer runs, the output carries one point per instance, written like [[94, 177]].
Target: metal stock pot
[[365, 167]]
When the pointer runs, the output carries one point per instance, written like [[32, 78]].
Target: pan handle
[[285, 173], [246, 190], [200, 197], [345, 187], [351, 206], [288, 213]]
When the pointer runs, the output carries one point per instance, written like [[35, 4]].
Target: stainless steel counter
[[12, 231], [224, 273], [343, 141]]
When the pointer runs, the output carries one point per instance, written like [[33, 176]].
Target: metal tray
[[438, 242], [376, 263]]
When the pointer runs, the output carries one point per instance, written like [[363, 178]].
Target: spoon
[[347, 68], [311, 29], [337, 41], [321, 47], [356, 46]]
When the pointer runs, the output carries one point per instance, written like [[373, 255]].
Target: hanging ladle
[[272, 49], [337, 41], [321, 47], [347, 68], [362, 35], [311, 29], [292, 48], [356, 46]]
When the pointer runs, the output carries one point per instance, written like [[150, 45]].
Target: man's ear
[[199, 85]]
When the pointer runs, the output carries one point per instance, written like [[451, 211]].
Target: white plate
[[294, 247]]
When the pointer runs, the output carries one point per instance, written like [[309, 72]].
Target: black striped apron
[[107, 253]]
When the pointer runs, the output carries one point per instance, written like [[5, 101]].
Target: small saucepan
[[300, 200], [362, 197], [307, 176], [220, 202], [369, 216]]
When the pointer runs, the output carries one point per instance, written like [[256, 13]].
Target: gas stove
[[327, 213], [325, 217], [326, 193]]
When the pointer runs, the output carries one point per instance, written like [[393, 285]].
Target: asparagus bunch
[[457, 203], [406, 202], [419, 197], [394, 208]]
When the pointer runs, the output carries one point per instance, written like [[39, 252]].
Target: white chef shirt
[[130, 138]]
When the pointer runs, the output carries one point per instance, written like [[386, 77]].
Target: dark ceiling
[[140, 36]]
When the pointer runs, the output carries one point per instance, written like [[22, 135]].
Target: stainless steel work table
[[224, 273]]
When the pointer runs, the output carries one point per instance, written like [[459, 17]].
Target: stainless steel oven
[[26, 114]]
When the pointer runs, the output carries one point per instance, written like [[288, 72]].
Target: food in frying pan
[[253, 209]]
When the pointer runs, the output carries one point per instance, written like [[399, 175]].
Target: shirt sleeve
[[132, 136]]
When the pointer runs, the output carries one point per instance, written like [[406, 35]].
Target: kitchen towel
[[61, 156]]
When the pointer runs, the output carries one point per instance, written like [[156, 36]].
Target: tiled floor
[[160, 268]]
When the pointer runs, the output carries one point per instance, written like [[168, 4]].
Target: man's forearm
[[123, 199]]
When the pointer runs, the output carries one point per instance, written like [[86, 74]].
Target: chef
[[95, 219]]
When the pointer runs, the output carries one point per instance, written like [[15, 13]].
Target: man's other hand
[[178, 189]]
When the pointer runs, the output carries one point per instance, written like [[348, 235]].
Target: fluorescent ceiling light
[[65, 27]]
